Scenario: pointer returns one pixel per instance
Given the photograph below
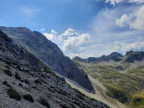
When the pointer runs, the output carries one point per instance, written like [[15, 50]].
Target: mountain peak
[[115, 56], [49, 53], [129, 52], [26, 82], [132, 56]]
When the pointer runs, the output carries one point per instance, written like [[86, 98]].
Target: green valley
[[124, 79]]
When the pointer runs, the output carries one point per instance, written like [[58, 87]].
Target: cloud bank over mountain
[[112, 29], [114, 2]]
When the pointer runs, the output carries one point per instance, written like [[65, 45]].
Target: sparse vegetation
[[44, 102], [92, 99], [8, 73], [28, 50], [28, 97], [137, 100], [42, 69], [13, 94], [121, 84], [48, 70], [117, 93]]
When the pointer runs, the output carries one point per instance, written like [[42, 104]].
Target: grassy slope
[[138, 100], [122, 85]]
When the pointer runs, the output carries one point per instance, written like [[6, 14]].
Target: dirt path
[[99, 95]]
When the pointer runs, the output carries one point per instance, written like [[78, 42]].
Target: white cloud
[[114, 2], [105, 36], [85, 45], [54, 32], [51, 35], [135, 20], [123, 21], [73, 44], [28, 12], [135, 46], [68, 33], [105, 32], [43, 29], [70, 41], [48, 36]]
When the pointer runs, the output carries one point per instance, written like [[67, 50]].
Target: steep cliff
[[26, 82], [49, 53]]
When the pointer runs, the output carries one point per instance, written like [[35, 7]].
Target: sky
[[85, 28]]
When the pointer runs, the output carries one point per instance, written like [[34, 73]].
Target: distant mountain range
[[121, 75], [130, 57], [49, 53]]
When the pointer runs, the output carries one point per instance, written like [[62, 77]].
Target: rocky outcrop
[[134, 56], [129, 52], [49, 53], [26, 82], [115, 56]]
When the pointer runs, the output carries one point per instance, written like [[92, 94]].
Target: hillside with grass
[[123, 80]]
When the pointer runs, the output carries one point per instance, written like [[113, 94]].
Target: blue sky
[[57, 14], [81, 27]]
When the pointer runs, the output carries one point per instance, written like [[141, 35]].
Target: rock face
[[26, 82], [134, 56], [49, 53], [115, 56]]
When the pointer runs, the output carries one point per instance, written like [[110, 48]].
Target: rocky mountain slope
[[49, 53], [123, 78], [26, 82]]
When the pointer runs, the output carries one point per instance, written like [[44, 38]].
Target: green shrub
[[44, 102], [8, 73], [13, 94], [28, 97], [137, 100], [42, 69], [117, 93], [48, 70], [92, 99]]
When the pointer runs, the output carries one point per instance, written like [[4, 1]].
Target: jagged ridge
[[129, 57]]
